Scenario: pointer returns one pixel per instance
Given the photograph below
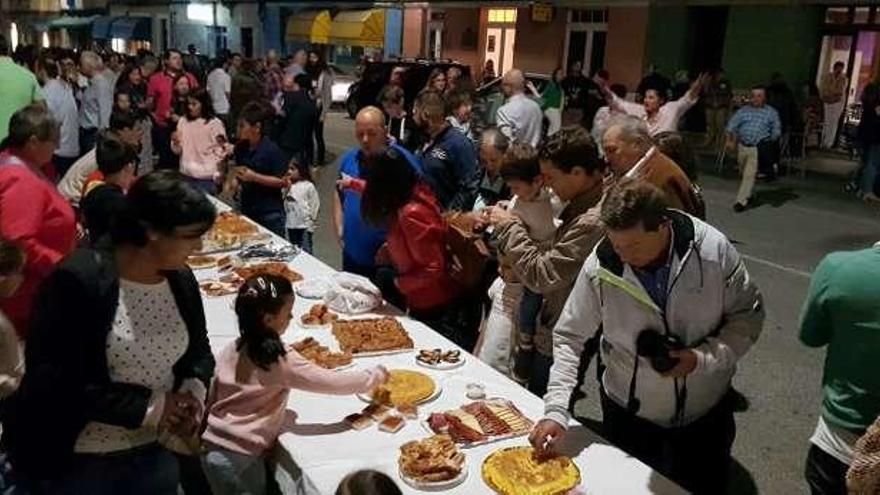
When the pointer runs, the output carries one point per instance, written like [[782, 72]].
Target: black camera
[[656, 346]]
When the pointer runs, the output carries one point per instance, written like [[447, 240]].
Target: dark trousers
[[825, 474], [350, 265], [301, 238], [457, 322], [696, 456], [319, 142], [529, 309], [62, 164], [87, 139], [168, 160]]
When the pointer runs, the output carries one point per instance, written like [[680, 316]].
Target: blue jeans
[[868, 177], [232, 473], [301, 238], [274, 221], [147, 470], [529, 309]]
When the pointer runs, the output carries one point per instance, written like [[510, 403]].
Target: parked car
[[489, 98], [342, 80], [375, 76]]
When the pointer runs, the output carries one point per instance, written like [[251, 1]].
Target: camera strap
[[632, 403]]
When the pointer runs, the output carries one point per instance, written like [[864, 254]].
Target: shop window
[[589, 16], [837, 15], [502, 15], [862, 15]]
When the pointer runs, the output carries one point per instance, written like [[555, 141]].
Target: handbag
[[466, 250], [863, 476]]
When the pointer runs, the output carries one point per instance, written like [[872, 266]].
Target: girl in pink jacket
[[252, 383], [200, 140]]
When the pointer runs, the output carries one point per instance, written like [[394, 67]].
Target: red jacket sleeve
[[22, 206], [423, 233]]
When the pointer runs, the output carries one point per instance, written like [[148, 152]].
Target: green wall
[[761, 40], [668, 29]]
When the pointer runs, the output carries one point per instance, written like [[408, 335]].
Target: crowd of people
[[580, 241]]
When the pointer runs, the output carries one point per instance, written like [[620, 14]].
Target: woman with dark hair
[[322, 81], [32, 212], [396, 199], [436, 81], [118, 339], [552, 101], [201, 142], [133, 82]]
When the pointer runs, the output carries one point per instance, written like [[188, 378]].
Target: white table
[[318, 443]]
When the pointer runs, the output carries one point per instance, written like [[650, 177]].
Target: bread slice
[[358, 421], [408, 411], [392, 424], [377, 411]]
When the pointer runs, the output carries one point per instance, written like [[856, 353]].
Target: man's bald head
[[369, 129], [288, 83], [514, 82], [371, 115]]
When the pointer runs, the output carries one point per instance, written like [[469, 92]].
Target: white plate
[[437, 390], [437, 486], [442, 365]]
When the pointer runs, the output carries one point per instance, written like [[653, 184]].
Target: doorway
[[585, 39], [247, 42], [501, 39], [709, 26]]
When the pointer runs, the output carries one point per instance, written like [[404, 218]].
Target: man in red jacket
[[160, 89]]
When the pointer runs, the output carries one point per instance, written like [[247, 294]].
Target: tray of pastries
[[403, 387], [480, 422], [206, 261], [318, 317], [440, 359], [518, 471], [268, 268], [310, 349], [371, 337], [226, 285], [434, 463], [230, 231]]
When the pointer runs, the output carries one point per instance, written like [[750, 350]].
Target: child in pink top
[[200, 140], [252, 382]]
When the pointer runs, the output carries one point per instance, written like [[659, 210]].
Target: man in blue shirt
[[360, 241], [748, 127], [449, 158]]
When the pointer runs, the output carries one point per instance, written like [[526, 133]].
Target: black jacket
[[297, 125], [66, 382]]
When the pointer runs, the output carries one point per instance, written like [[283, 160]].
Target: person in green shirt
[[20, 87], [552, 100], [842, 312]]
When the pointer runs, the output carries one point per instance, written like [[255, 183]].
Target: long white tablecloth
[[318, 443]]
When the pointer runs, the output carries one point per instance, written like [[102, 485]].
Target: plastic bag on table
[[352, 294]]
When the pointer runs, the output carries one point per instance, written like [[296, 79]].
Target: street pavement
[[795, 223]]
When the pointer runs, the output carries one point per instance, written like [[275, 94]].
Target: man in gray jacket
[[676, 309]]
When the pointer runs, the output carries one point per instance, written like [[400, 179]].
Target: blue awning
[[132, 28], [101, 27], [68, 22]]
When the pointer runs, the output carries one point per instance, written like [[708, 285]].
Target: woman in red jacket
[[395, 198], [32, 212]]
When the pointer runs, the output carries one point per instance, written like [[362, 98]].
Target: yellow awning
[[359, 28], [312, 27]]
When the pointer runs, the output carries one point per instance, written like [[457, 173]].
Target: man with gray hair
[[491, 188], [630, 152], [96, 102], [520, 118]]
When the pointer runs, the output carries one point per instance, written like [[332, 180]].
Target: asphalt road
[[795, 224]]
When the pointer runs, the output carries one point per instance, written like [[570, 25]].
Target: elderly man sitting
[[631, 153]]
